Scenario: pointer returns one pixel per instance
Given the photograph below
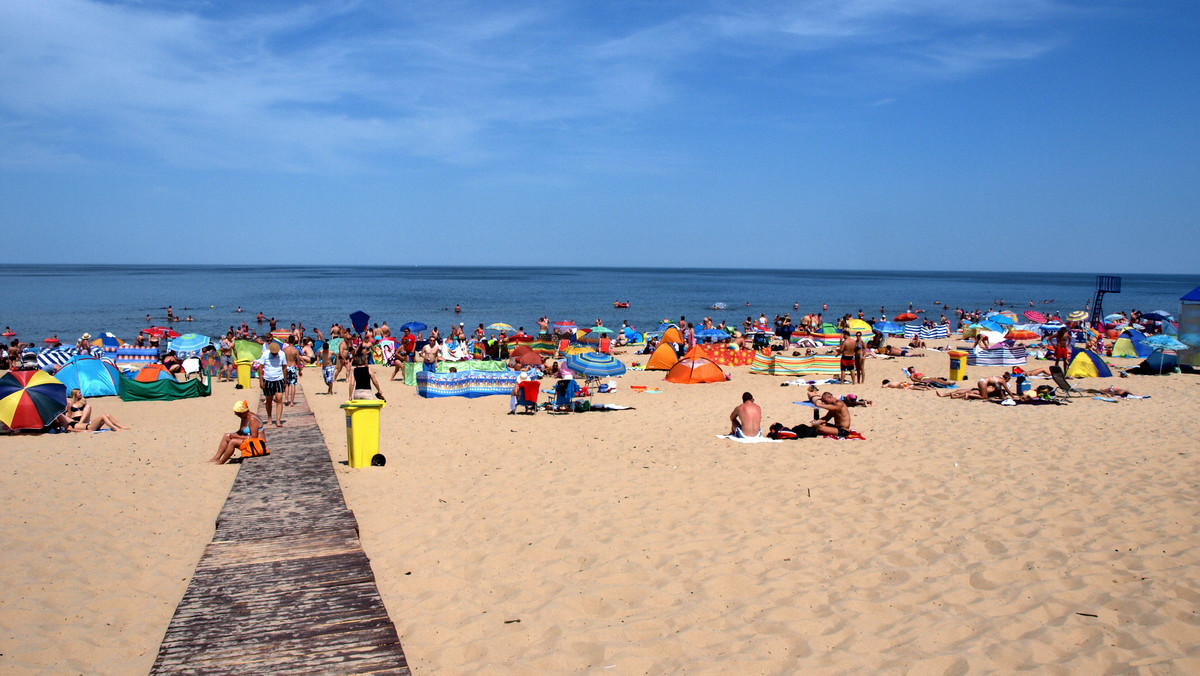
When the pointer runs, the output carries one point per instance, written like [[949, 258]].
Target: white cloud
[[332, 85]]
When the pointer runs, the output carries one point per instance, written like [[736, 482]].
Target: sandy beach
[[959, 536]]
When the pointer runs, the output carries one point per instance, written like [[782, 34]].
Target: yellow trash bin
[[958, 365], [243, 371], [362, 430]]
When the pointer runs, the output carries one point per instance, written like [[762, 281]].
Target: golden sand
[[960, 536]]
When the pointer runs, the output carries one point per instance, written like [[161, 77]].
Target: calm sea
[[42, 300]]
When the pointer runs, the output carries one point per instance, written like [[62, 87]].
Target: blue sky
[[947, 134]]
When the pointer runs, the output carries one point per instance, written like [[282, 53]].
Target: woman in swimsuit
[[250, 427], [361, 379], [78, 417]]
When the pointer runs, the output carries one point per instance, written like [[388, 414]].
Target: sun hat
[[86, 336], [241, 406]]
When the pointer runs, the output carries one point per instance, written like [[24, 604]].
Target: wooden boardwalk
[[284, 586]]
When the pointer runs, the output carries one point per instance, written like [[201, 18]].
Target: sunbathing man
[[746, 419], [837, 413], [893, 351]]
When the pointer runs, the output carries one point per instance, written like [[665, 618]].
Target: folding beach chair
[[605, 345], [1060, 379], [562, 346], [528, 395], [565, 391]]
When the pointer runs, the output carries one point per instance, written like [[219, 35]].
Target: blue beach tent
[[91, 376], [1131, 343]]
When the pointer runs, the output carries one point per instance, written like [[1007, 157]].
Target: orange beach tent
[[662, 359], [691, 371], [672, 335]]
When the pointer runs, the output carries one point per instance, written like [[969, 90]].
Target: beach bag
[[253, 448]]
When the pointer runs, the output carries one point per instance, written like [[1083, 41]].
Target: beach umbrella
[[711, 334], [359, 319], [989, 325], [1002, 320], [521, 350], [856, 325], [499, 326], [595, 365], [189, 344], [1035, 316], [890, 327], [1158, 316], [1165, 342], [30, 400], [529, 358], [107, 339], [1077, 316], [565, 326], [600, 330], [414, 327], [160, 331], [905, 317], [1114, 317]]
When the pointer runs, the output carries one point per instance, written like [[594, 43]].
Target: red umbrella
[[160, 331], [1035, 316], [905, 317]]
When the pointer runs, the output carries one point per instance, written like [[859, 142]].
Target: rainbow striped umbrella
[[30, 400]]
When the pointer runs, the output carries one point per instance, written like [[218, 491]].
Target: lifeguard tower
[[1104, 284]]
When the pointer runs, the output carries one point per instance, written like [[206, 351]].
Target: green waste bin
[[362, 430]]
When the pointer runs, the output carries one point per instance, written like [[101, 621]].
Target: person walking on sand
[[746, 419], [327, 367], [343, 357], [292, 373], [271, 367]]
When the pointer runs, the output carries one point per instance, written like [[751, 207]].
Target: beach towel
[[749, 440]]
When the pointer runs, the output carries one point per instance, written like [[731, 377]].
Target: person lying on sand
[[1112, 391], [985, 389], [920, 378], [893, 351], [746, 419], [906, 385]]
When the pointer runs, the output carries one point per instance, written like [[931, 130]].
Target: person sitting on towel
[[746, 419], [836, 412]]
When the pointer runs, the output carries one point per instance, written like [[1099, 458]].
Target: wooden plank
[[284, 587]]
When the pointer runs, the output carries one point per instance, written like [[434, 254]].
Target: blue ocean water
[[68, 300]]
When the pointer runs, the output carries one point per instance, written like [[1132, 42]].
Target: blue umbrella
[[1002, 320], [1157, 315], [1165, 342], [414, 327], [595, 365], [991, 326], [189, 344], [889, 327], [359, 319], [711, 334]]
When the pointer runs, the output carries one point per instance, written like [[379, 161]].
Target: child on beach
[[327, 367]]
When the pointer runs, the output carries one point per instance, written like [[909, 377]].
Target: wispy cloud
[[337, 85]]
